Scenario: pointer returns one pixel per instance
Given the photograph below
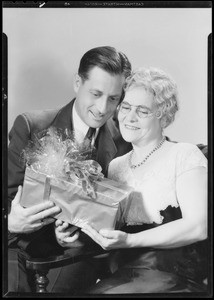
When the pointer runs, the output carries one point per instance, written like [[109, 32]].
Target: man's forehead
[[99, 73], [103, 81]]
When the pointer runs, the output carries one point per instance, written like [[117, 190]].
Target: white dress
[[154, 202], [156, 189]]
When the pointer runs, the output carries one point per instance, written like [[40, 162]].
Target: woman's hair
[[106, 58], [162, 86]]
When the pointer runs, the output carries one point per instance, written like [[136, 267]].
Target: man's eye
[[114, 99], [95, 94]]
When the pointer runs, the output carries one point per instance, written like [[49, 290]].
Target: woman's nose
[[132, 115]]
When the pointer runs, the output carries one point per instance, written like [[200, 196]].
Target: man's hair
[[106, 58]]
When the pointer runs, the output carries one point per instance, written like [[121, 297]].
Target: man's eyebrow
[[95, 90], [100, 92], [115, 96]]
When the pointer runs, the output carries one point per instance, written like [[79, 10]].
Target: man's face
[[98, 97]]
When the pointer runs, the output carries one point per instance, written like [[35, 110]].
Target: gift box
[[107, 208], [61, 170]]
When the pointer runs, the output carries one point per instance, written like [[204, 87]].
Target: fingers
[[110, 234], [71, 239], [46, 213], [17, 198], [39, 207], [58, 222], [94, 234], [62, 226], [64, 238], [47, 221], [43, 222]]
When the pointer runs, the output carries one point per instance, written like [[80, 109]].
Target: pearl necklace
[[145, 159]]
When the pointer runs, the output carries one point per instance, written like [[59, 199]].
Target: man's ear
[[77, 82]]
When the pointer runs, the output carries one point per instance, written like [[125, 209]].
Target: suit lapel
[[63, 119]]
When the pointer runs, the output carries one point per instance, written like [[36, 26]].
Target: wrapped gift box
[[107, 210]]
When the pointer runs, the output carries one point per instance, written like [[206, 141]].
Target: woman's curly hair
[[162, 86]]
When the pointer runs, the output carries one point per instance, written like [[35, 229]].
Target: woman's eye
[[125, 109], [144, 112]]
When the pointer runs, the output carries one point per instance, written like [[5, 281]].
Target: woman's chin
[[128, 137]]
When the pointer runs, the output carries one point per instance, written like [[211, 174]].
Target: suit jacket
[[109, 144]]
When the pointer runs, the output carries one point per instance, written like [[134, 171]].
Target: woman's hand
[[30, 219], [64, 235], [108, 239]]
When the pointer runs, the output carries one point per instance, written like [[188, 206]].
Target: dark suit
[[109, 144]]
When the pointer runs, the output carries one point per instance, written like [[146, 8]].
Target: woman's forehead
[[139, 96]]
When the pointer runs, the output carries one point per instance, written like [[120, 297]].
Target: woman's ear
[[77, 82], [158, 114]]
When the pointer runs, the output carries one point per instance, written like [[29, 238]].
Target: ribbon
[[87, 172], [47, 188], [58, 155]]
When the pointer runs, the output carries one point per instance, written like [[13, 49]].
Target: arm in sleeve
[[18, 139]]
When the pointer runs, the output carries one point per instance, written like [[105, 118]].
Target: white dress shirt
[[80, 128]]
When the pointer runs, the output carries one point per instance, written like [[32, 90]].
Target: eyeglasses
[[142, 112]]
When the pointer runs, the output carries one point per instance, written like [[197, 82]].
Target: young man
[[99, 89]]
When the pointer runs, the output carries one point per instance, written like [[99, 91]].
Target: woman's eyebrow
[[141, 106]]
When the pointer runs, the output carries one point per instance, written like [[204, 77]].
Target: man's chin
[[96, 123]]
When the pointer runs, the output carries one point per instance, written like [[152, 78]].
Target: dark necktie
[[89, 136], [90, 151], [90, 133]]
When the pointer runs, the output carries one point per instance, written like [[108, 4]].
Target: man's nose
[[102, 104]]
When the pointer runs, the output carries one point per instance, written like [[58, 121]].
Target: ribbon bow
[[87, 172], [56, 154]]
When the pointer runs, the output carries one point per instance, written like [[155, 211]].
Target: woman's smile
[[131, 127]]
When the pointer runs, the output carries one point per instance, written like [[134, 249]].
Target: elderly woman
[[162, 244]]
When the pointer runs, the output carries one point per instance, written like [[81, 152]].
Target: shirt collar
[[80, 128]]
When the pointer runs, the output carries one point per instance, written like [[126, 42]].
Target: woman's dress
[[149, 270]]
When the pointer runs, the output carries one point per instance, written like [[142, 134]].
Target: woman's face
[[137, 118]]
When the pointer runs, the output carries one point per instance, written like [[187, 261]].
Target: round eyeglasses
[[142, 112]]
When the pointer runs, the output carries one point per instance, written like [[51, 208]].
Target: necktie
[[90, 151], [90, 133], [89, 136]]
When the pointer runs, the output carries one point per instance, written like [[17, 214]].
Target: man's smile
[[95, 116]]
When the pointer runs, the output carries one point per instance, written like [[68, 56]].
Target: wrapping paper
[[107, 210]]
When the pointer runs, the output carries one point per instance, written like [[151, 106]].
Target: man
[[99, 89]]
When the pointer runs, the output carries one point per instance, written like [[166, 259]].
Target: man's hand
[[26, 220], [64, 235]]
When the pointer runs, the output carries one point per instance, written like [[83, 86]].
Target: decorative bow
[[57, 154], [87, 172]]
